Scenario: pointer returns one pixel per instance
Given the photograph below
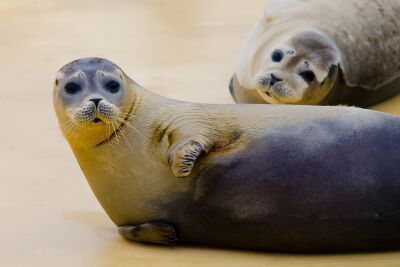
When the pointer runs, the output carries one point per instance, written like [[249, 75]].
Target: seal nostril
[[96, 101], [274, 80]]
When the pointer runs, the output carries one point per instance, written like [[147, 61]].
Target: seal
[[264, 177], [321, 52]]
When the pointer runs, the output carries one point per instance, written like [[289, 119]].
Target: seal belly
[[327, 185]]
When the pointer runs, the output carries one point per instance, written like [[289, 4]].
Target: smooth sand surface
[[184, 49]]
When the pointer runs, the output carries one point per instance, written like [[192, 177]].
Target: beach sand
[[181, 49]]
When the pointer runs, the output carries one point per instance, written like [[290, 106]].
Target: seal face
[[265, 177], [91, 100], [321, 53], [301, 70]]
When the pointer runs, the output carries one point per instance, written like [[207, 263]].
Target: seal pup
[[265, 177], [321, 52]]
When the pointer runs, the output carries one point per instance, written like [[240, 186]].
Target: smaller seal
[[321, 53]]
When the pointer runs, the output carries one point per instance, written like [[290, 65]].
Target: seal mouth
[[119, 128], [269, 91]]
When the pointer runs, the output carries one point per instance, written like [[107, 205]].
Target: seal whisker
[[75, 135], [109, 130], [130, 114], [116, 136], [69, 126], [69, 132], [122, 133], [130, 125]]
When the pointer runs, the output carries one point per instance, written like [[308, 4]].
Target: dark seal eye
[[113, 87], [72, 88], [277, 56], [308, 76]]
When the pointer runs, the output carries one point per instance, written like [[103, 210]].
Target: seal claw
[[184, 158]]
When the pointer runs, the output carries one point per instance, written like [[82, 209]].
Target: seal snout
[[268, 82], [273, 80], [96, 101], [96, 109]]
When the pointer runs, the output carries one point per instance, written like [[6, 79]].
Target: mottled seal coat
[[321, 52], [264, 177]]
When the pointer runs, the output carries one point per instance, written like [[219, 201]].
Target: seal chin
[[279, 94], [119, 127], [267, 92], [89, 124]]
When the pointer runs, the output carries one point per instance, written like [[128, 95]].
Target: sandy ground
[[181, 49]]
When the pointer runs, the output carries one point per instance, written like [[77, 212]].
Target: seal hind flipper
[[151, 232]]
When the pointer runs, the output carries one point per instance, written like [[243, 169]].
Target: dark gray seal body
[[265, 177], [313, 187]]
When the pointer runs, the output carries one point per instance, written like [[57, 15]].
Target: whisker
[[121, 130], [115, 134], [130, 125], [109, 131], [129, 114]]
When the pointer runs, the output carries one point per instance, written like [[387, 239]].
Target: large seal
[[266, 177], [321, 52]]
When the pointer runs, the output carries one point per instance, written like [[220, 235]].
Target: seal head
[[92, 100], [299, 70]]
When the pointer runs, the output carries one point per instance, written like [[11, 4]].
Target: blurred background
[[183, 49]]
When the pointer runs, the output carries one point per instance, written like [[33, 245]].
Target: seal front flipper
[[182, 156], [151, 232]]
